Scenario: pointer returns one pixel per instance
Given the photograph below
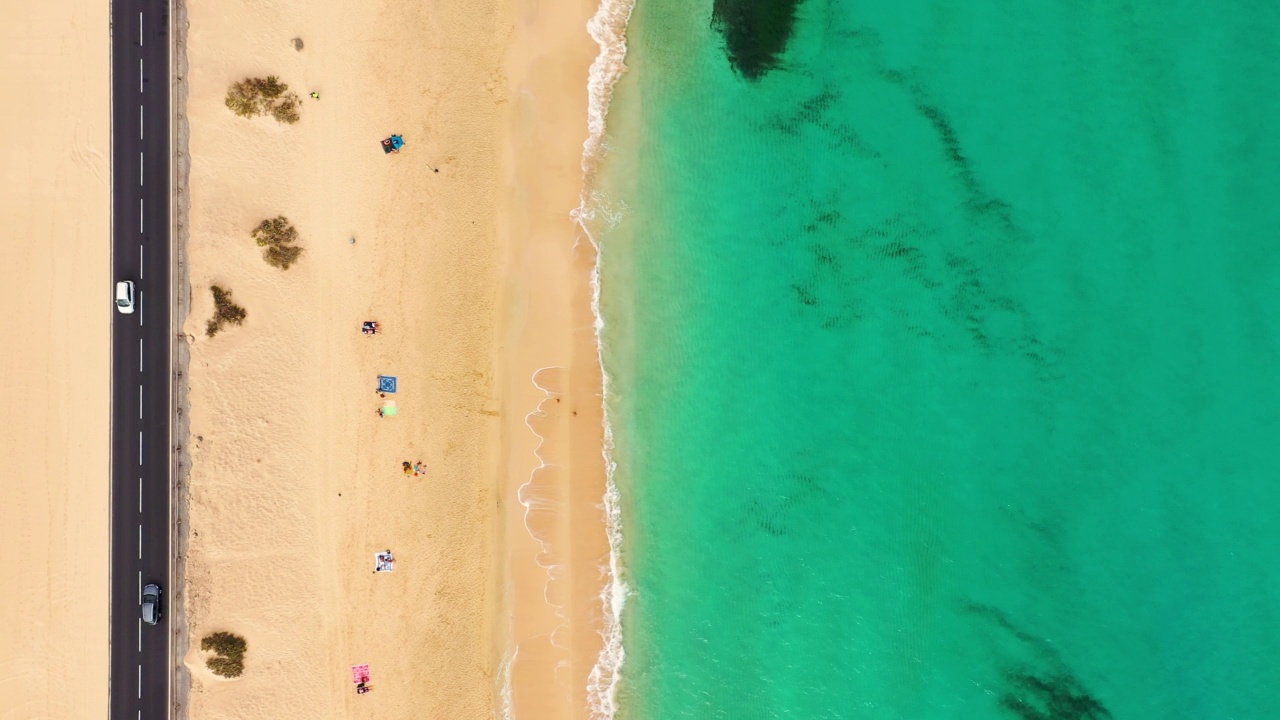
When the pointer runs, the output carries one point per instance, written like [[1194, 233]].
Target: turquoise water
[[946, 363]]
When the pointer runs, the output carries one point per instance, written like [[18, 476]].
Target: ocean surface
[[944, 346]]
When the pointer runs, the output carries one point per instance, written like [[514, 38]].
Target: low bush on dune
[[278, 237], [225, 312], [243, 100], [228, 645], [252, 97], [225, 667], [228, 653], [287, 112]]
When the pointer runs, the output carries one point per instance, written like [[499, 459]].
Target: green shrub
[[278, 237], [271, 88], [286, 110], [226, 644], [224, 311], [228, 650], [252, 97], [225, 667], [281, 256], [244, 100], [275, 231]]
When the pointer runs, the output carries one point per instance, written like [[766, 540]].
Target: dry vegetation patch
[[278, 237], [225, 312], [228, 653], [252, 97]]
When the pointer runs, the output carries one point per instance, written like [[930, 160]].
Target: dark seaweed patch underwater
[[1044, 688], [755, 32]]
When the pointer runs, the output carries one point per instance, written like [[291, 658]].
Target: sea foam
[[608, 27]]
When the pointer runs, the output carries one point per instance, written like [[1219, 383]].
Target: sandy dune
[[55, 289]]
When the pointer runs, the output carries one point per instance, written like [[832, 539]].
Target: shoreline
[[563, 653], [608, 28]]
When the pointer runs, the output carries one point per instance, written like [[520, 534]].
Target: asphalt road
[[141, 376]]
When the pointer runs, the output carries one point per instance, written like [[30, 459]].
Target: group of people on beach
[[418, 468]]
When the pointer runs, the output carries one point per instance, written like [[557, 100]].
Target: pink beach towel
[[359, 674]]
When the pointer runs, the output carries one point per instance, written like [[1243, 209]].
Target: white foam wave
[[525, 495], [608, 28], [508, 709]]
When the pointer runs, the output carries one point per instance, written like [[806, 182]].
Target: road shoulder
[[181, 292]]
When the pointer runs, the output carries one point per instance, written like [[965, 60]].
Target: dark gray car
[[151, 604]]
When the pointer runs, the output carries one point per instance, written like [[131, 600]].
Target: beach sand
[[55, 288], [556, 546], [463, 254]]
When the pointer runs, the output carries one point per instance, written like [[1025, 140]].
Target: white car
[[151, 604], [124, 296]]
